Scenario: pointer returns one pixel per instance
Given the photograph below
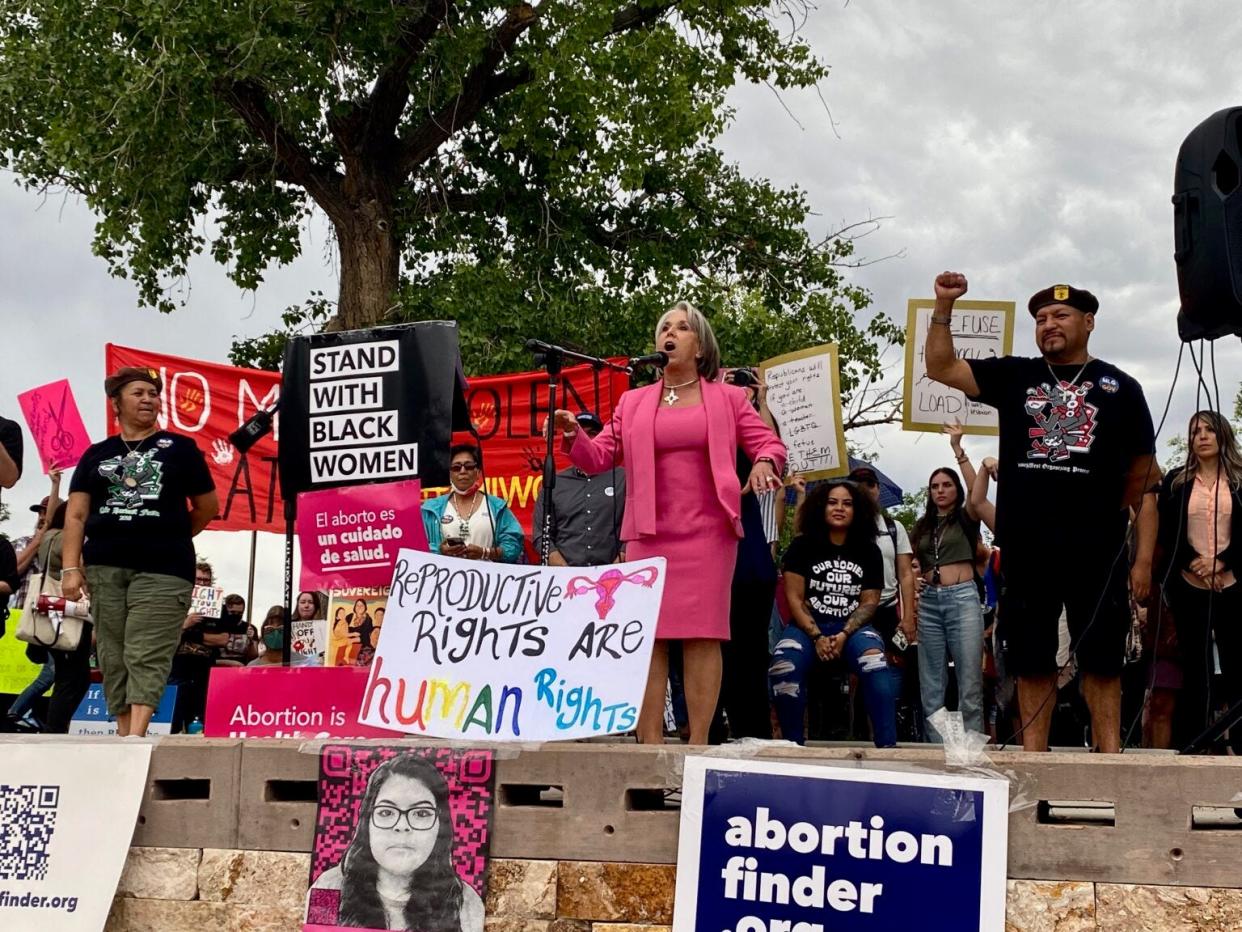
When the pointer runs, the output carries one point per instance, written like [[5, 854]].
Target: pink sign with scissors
[[55, 423]]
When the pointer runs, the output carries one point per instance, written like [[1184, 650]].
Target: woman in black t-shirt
[[833, 577], [128, 500]]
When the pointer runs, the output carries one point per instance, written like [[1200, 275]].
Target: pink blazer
[[630, 437]]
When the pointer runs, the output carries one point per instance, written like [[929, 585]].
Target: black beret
[[1077, 298]]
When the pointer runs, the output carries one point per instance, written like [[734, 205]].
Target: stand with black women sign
[[364, 406]]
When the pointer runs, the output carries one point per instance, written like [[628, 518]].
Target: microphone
[[659, 360], [538, 346]]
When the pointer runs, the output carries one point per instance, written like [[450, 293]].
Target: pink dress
[[692, 531]]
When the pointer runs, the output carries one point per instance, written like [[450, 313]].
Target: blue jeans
[[41, 684], [951, 625], [792, 659]]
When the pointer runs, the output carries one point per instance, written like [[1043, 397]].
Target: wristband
[[569, 434], [942, 321], [817, 635], [70, 569]]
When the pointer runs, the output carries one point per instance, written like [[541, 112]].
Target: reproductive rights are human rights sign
[[775, 847]]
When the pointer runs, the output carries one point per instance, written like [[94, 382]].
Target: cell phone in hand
[[454, 541]]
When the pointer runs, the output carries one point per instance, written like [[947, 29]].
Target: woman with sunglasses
[[469, 523], [398, 871]]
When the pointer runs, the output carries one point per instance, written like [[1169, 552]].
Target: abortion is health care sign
[[472, 649], [775, 847]]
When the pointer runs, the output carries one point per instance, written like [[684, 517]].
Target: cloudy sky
[[1022, 144]]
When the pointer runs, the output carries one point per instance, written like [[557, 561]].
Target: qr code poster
[[67, 814], [401, 839]]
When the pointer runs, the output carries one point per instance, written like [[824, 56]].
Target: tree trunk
[[370, 267]]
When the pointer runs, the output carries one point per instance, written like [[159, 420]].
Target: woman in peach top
[[1202, 562]]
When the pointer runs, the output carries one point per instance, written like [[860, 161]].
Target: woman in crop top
[[950, 615]]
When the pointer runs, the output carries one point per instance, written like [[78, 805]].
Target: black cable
[[1208, 633], [1164, 582], [1073, 650]]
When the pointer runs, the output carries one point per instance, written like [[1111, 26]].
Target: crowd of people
[[791, 609]]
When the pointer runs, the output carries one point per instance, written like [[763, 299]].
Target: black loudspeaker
[[1207, 228]]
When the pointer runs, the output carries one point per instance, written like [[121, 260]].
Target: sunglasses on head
[[463, 467]]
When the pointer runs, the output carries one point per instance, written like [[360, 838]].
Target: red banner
[[208, 401]]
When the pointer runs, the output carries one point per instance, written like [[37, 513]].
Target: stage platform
[[1142, 818]]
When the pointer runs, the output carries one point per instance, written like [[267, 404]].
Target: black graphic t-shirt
[[1066, 447], [835, 574], [140, 514]]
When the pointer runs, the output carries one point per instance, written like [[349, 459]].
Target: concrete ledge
[[192, 795], [618, 803]]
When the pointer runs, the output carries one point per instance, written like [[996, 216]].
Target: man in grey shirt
[[587, 514]]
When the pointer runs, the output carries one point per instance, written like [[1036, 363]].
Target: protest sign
[[981, 330], [91, 716], [350, 536], [310, 638], [67, 814], [287, 702], [55, 424], [355, 617], [767, 846], [420, 818], [804, 396], [207, 401], [370, 405], [532, 653], [207, 601]]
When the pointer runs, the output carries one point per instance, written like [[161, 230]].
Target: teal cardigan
[[508, 534]]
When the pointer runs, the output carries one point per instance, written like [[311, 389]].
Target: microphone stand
[[553, 358]]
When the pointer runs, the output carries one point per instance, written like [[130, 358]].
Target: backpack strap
[[891, 525]]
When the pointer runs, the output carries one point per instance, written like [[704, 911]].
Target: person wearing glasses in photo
[[468, 523], [398, 870]]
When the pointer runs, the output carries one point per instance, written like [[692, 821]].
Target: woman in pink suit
[[679, 439]]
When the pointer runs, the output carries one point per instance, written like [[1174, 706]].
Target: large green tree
[[532, 169]]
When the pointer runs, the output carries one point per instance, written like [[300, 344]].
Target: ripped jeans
[[792, 659]]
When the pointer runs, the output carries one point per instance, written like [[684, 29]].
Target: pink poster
[[287, 702], [350, 537], [402, 838], [55, 423]]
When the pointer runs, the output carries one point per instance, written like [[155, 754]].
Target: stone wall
[[217, 890]]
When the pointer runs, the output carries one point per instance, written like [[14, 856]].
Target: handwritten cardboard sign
[[981, 330], [804, 395], [56, 424], [350, 536], [472, 649], [207, 601]]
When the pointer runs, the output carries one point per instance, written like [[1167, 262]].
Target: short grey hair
[[709, 363]]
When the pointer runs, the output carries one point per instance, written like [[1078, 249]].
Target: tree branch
[[481, 86], [296, 166], [637, 16], [392, 88]]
